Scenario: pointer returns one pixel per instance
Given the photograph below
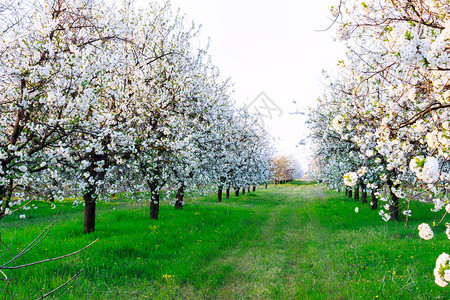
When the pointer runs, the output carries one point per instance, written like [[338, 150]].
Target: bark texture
[[374, 200], [219, 194], [179, 197], [154, 204], [89, 212]]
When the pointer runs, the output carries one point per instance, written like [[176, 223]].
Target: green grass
[[291, 241]]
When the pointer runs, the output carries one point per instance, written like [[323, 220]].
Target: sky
[[275, 47]]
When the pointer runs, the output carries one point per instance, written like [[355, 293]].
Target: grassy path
[[261, 266], [287, 259], [287, 242], [314, 246]]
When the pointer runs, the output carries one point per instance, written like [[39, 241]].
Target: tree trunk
[[254, 187], [243, 191], [219, 194], [2, 192], [266, 185], [393, 209], [374, 200], [227, 194], [236, 192], [248, 188], [364, 193], [2, 198], [346, 191], [356, 196], [55, 185], [180, 197], [350, 193], [154, 204], [89, 212]]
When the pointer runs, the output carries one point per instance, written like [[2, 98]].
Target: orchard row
[[97, 100], [384, 122]]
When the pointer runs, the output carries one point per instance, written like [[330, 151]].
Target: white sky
[[270, 46]]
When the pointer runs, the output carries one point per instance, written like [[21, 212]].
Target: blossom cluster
[[350, 179], [425, 231], [442, 270], [426, 169]]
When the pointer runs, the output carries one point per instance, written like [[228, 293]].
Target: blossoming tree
[[392, 98]]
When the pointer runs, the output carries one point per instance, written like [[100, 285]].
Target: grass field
[[292, 241]]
